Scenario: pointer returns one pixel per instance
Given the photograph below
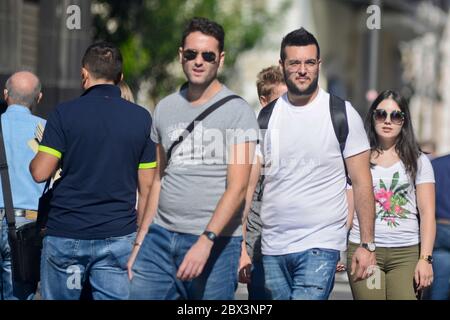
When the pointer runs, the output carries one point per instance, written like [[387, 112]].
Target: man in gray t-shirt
[[191, 250]]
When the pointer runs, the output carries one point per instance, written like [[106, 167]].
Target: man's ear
[[263, 101], [221, 59], [39, 98], [5, 94], [180, 54], [84, 72], [84, 77]]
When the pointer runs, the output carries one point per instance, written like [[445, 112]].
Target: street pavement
[[341, 290]]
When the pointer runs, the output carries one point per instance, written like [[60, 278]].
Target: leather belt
[[22, 213]]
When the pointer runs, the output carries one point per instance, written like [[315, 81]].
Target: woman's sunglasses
[[208, 56], [397, 117]]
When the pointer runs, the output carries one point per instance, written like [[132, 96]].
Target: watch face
[[210, 235], [371, 246]]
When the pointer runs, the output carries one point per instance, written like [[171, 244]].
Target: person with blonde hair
[[125, 91]]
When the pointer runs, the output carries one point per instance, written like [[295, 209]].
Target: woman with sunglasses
[[405, 226]]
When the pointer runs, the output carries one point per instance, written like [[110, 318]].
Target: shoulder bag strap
[[200, 117], [6, 188]]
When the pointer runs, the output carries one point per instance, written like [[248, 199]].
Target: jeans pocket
[[60, 252], [119, 248]]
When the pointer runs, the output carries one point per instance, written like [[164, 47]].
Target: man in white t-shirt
[[304, 206]]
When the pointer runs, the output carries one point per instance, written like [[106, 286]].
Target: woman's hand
[[132, 259], [423, 274]]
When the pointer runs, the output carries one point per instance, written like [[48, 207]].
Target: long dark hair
[[406, 145]]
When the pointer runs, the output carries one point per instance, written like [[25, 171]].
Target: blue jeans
[[11, 290], [256, 289], [67, 264], [161, 254], [441, 265], [305, 275]]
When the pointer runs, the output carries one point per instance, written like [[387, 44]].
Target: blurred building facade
[[35, 37]]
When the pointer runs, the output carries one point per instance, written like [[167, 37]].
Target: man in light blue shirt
[[22, 93]]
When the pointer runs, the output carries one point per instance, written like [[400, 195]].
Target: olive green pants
[[392, 280]]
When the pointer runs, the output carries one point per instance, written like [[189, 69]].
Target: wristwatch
[[428, 259], [370, 246], [210, 235]]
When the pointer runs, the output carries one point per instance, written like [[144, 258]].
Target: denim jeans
[[305, 275], [440, 288], [161, 254], [67, 264], [11, 290], [256, 288]]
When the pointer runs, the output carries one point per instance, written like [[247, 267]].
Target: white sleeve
[[357, 141], [425, 173]]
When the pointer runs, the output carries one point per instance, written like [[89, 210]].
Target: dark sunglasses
[[380, 115], [208, 56]]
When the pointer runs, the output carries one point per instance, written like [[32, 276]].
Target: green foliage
[[148, 33]]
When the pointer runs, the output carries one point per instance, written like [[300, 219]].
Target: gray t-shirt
[[196, 176]]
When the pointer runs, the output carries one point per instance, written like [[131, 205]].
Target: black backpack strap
[[263, 122], [339, 119], [200, 117], [6, 188], [264, 115]]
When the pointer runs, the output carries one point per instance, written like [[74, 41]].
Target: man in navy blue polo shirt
[[102, 143]]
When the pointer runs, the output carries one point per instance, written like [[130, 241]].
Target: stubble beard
[[204, 82], [292, 87]]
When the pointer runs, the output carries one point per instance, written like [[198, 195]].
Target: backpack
[[338, 118]]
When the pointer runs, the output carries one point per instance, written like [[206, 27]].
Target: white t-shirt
[[304, 204], [396, 223]]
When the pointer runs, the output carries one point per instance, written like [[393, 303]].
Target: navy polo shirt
[[441, 167], [102, 141]]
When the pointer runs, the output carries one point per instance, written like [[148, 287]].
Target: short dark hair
[[104, 61], [268, 79], [207, 27], [300, 38]]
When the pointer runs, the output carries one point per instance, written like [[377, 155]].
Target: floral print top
[[396, 223]]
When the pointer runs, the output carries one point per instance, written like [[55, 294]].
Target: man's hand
[[195, 259], [340, 266], [245, 266], [363, 263]]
